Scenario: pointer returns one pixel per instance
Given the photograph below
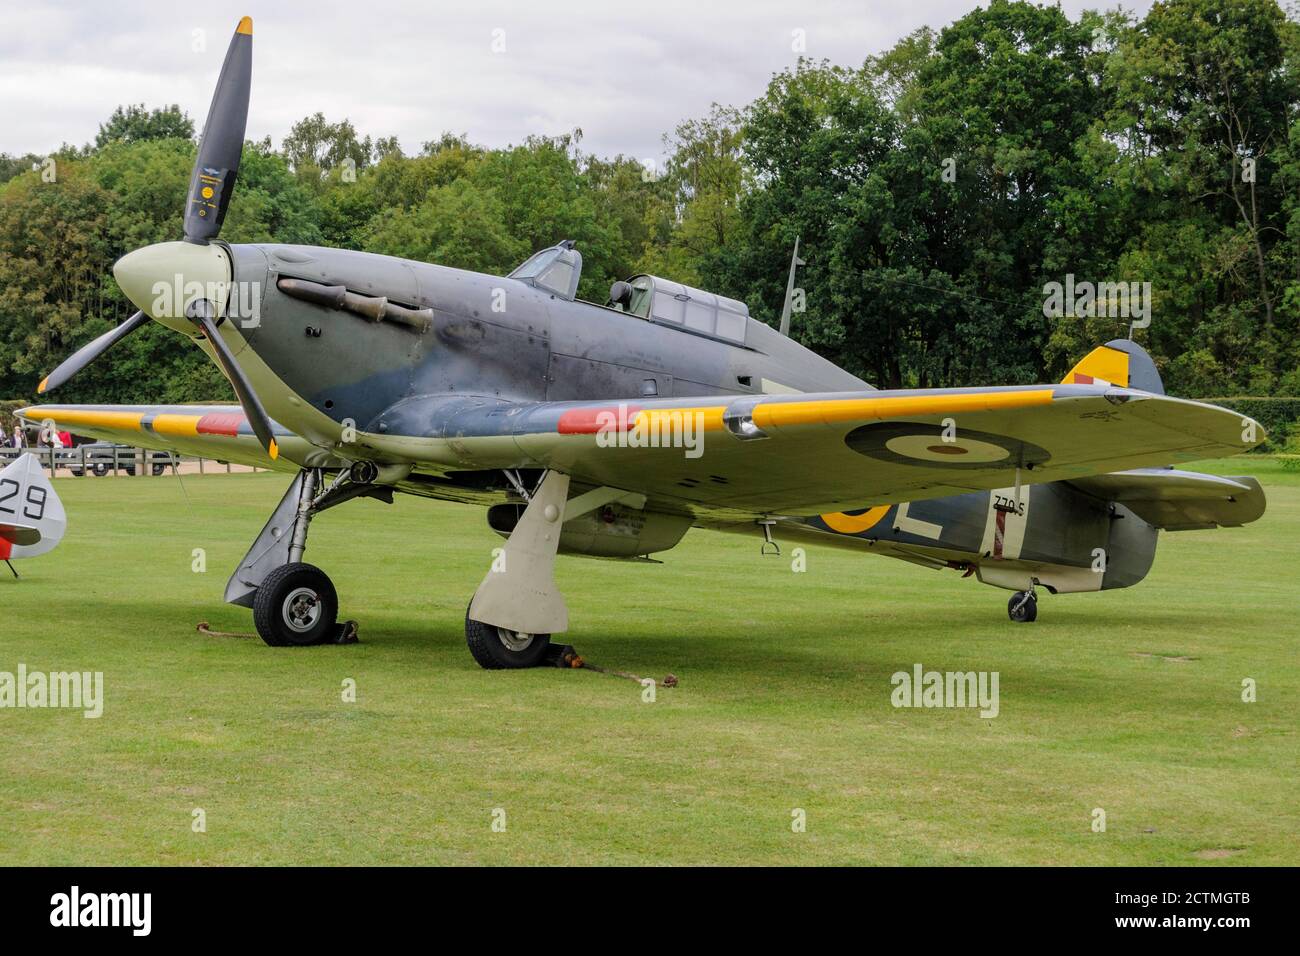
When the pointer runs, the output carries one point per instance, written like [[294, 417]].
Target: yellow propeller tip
[[273, 450], [245, 26], [40, 389]]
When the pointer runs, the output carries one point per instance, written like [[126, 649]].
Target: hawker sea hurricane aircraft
[[609, 430]]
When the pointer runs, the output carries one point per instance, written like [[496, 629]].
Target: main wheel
[[499, 648], [1023, 607], [295, 605], [99, 469]]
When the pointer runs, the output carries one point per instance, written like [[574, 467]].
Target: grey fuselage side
[[497, 339], [492, 338]]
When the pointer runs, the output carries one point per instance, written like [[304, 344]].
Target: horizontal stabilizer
[[1180, 500], [24, 535]]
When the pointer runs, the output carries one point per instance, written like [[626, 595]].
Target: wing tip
[[245, 26]]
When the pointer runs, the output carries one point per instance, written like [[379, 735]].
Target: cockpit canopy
[[670, 303], [555, 270]]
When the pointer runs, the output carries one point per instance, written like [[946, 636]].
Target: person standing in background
[[19, 438]]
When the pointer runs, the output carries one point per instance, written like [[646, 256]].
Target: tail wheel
[[499, 648], [1023, 607], [295, 606]]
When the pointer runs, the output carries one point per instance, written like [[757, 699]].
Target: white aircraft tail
[[32, 519]]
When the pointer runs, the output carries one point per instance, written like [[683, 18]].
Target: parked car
[[99, 458]]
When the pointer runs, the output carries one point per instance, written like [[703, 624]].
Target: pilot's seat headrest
[[620, 294]]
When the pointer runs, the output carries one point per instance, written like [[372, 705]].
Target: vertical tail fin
[[1119, 362], [32, 519]]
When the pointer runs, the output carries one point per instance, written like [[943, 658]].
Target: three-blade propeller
[[212, 183]]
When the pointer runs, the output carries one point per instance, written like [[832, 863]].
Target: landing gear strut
[[1023, 607], [517, 608], [294, 604]]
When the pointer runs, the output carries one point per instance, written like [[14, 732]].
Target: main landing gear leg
[[518, 607], [294, 604]]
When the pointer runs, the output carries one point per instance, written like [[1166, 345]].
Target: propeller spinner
[[212, 183]]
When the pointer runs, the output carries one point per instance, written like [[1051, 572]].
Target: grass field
[[1129, 701]]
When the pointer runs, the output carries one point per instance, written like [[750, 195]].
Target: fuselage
[[493, 338]]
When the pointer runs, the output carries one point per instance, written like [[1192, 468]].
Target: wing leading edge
[[798, 454], [209, 431]]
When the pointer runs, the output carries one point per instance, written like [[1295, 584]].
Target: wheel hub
[[514, 640], [301, 610]]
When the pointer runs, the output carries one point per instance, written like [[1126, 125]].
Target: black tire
[[158, 470], [99, 470], [488, 644], [296, 606], [1025, 613]]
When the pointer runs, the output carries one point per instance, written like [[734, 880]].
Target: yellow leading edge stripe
[[181, 425], [830, 411], [780, 414], [124, 421], [163, 424]]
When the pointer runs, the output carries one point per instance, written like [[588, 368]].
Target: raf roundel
[[920, 443]]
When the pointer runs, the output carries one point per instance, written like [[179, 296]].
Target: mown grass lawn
[[1128, 701]]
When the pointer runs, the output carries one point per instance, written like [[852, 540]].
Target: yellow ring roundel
[[855, 524]]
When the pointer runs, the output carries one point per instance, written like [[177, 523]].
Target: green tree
[[315, 146], [458, 225], [134, 124]]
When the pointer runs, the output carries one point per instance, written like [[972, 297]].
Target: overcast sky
[[623, 72]]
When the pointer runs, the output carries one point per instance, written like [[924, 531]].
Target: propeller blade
[[217, 165], [200, 313], [89, 352]]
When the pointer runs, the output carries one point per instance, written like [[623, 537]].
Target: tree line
[[944, 194]]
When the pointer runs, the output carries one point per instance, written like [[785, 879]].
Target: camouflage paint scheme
[[505, 363]]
